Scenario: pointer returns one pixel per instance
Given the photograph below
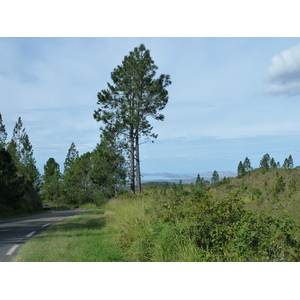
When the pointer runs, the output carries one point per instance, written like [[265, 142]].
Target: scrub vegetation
[[249, 218], [191, 224]]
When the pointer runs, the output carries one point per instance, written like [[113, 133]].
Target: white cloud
[[284, 73], [289, 89]]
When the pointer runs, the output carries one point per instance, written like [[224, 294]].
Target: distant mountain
[[186, 178]]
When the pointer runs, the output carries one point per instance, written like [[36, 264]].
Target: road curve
[[15, 232]]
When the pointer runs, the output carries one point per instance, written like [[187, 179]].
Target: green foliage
[[279, 186], [273, 164], [109, 167], [215, 177], [288, 163], [10, 183], [126, 105], [20, 182], [182, 227], [51, 185], [71, 157], [265, 162], [76, 185], [256, 192], [241, 169], [18, 136], [200, 181], [93, 177], [28, 164], [247, 165]]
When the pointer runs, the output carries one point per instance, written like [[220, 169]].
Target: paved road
[[15, 232]]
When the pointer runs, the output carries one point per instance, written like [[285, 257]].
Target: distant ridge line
[[190, 177]]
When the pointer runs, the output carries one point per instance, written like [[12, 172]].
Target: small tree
[[51, 179], [241, 169], [215, 177], [288, 163], [71, 157], [109, 166], [78, 186], [265, 162], [273, 164], [70, 180], [18, 136], [28, 164], [247, 165], [200, 181]]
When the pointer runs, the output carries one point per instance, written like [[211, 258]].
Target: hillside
[[276, 191]]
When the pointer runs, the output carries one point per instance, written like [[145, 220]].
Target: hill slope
[[276, 191]]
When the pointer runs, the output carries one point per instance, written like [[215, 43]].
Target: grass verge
[[83, 238]]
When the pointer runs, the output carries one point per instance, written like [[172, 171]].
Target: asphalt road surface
[[15, 232]]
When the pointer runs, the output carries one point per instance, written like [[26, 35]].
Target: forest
[[90, 178]]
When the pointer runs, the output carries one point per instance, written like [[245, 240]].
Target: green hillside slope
[[275, 191]]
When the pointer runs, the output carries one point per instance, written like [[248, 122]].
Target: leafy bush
[[176, 226]]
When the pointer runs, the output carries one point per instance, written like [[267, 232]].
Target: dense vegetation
[[19, 178], [192, 222], [93, 177], [211, 223]]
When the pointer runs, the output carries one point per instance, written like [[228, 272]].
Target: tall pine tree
[[51, 180], [70, 178], [71, 157], [28, 164], [127, 103]]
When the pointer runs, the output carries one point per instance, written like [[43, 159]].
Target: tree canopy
[[126, 104]]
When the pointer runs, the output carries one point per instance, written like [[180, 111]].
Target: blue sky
[[230, 97]]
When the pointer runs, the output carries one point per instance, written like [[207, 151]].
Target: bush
[[182, 227]]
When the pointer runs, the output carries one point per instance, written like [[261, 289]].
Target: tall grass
[[166, 225], [141, 237]]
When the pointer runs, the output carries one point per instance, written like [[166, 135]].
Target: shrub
[[183, 227]]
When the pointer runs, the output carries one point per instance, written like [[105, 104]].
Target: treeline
[[93, 177], [20, 180], [266, 163]]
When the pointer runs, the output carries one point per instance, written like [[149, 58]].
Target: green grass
[[82, 238], [142, 238]]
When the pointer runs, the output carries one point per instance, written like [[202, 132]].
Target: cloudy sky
[[230, 98]]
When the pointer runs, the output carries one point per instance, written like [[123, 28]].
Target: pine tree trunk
[[138, 170], [132, 179]]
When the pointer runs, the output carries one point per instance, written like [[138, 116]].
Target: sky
[[229, 98]]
